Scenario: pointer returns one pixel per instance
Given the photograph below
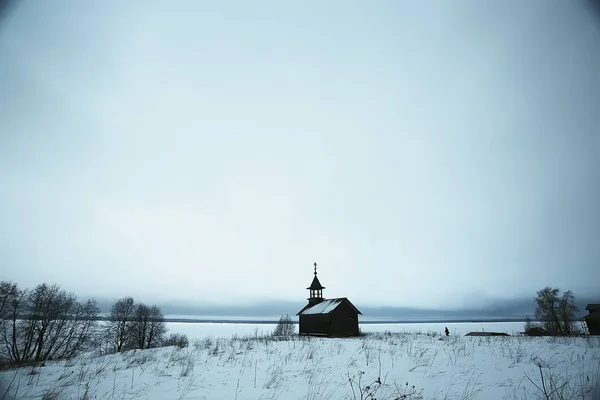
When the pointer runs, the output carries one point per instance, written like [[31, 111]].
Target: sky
[[425, 154]]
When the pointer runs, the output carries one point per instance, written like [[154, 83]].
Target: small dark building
[[536, 331], [327, 317], [592, 320], [487, 334]]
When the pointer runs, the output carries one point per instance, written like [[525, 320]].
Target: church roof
[[315, 285], [327, 306]]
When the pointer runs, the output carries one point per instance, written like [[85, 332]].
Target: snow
[[409, 365], [323, 307]]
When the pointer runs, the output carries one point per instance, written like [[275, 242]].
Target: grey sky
[[424, 154]]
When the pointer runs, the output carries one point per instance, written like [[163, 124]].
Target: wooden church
[[327, 317], [593, 319]]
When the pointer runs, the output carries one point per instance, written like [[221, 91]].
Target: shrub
[[285, 327], [177, 339]]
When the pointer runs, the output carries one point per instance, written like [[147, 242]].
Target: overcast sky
[[424, 154]]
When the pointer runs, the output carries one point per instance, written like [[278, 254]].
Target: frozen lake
[[199, 330]]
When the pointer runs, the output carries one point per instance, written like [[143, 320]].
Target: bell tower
[[316, 289]]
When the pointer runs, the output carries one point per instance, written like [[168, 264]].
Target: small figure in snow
[[447, 331]]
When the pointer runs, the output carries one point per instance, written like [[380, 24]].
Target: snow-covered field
[[378, 366]]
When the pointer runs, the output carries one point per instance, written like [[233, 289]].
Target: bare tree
[[43, 323], [555, 311], [79, 330], [11, 333], [139, 326], [120, 323], [547, 308], [24, 316], [148, 327], [156, 328], [568, 312], [7, 292], [52, 309], [285, 326]]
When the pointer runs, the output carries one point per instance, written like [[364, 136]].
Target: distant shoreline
[[275, 321], [271, 322]]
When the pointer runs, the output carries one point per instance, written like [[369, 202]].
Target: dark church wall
[[593, 326], [344, 321], [315, 324]]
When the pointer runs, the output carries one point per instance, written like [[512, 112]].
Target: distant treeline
[[271, 322], [373, 322]]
